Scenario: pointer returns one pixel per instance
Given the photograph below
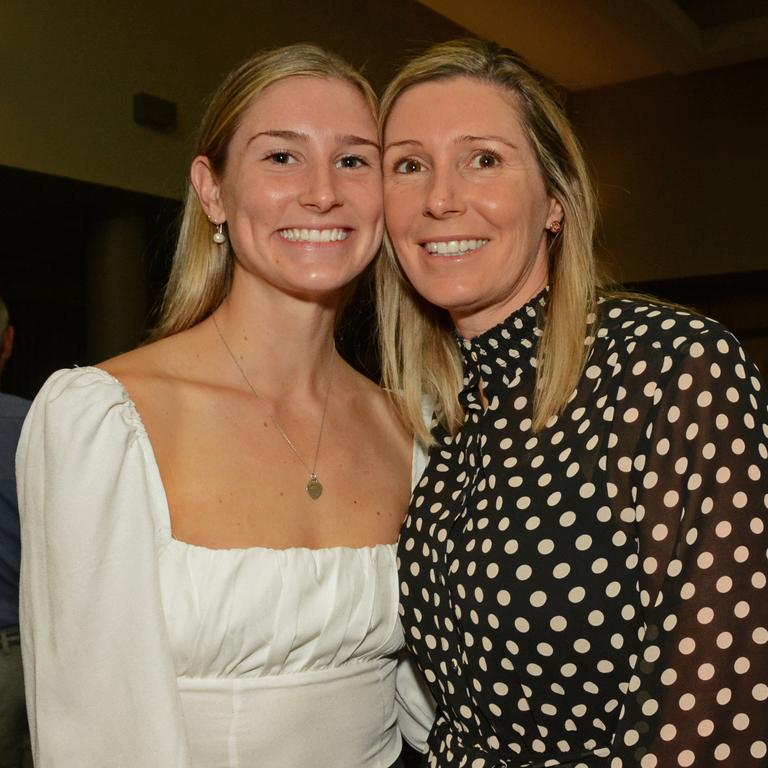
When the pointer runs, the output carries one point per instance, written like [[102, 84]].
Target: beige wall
[[679, 159], [69, 70], [681, 163]]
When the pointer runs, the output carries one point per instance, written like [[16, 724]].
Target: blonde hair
[[201, 272], [419, 353]]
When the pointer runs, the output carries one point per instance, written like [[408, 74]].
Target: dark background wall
[[89, 198]]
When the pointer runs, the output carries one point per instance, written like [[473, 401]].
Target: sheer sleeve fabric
[[415, 705], [101, 688], [700, 485]]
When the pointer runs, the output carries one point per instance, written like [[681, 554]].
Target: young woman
[[209, 520], [583, 567]]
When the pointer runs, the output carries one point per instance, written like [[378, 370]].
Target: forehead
[[306, 103], [461, 105]]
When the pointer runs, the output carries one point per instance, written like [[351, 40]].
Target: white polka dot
[[687, 646], [740, 500], [667, 732], [522, 624], [724, 640], [741, 665], [668, 676], [546, 546], [558, 623], [576, 595], [741, 609], [687, 702], [723, 696], [741, 721], [758, 749], [741, 554]]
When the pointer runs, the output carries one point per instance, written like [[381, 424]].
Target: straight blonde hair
[[201, 272], [419, 352]]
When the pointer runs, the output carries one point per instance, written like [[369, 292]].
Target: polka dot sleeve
[[700, 484]]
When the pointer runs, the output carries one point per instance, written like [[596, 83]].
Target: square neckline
[[158, 481]]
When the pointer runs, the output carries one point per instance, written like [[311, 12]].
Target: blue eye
[[409, 165]]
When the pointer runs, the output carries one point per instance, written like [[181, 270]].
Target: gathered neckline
[[169, 538]]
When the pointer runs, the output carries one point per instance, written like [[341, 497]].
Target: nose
[[443, 197], [320, 193]]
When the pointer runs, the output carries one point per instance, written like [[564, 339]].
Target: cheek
[[370, 200], [398, 210], [502, 205]]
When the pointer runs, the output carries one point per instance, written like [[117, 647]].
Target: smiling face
[[301, 190], [466, 204]]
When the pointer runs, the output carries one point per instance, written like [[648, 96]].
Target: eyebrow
[[347, 138], [403, 143], [500, 139], [460, 140]]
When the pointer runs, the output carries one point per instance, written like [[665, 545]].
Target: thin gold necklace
[[314, 487]]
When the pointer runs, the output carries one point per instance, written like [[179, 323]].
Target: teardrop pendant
[[314, 487]]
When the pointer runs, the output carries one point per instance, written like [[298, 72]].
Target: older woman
[[583, 567], [209, 521]]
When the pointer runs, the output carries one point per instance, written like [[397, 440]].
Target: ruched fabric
[[140, 650]]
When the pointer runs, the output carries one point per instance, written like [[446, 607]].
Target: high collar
[[509, 344]]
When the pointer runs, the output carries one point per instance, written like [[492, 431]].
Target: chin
[[452, 298], [321, 286]]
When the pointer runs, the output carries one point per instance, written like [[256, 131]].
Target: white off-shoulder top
[[141, 650]]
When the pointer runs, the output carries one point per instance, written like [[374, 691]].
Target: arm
[[101, 688], [415, 705], [701, 487]]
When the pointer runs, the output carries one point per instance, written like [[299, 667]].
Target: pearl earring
[[218, 236]]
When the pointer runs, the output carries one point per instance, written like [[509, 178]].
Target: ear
[[555, 212], [207, 188]]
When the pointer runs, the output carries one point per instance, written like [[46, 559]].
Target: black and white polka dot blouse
[[595, 595]]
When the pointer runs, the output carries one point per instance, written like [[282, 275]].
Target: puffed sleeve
[[101, 687], [700, 480], [415, 705]]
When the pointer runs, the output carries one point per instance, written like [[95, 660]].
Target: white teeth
[[453, 247], [314, 235]]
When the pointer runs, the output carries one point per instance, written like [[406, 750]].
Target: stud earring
[[555, 227], [218, 236]]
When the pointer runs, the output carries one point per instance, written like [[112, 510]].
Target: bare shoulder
[[161, 376], [163, 362]]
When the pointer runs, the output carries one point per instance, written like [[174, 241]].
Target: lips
[[326, 235], [456, 247]]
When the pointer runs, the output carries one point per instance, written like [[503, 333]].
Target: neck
[[279, 340], [476, 321]]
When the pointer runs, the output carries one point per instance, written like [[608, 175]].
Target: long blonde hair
[[201, 272], [419, 354]]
